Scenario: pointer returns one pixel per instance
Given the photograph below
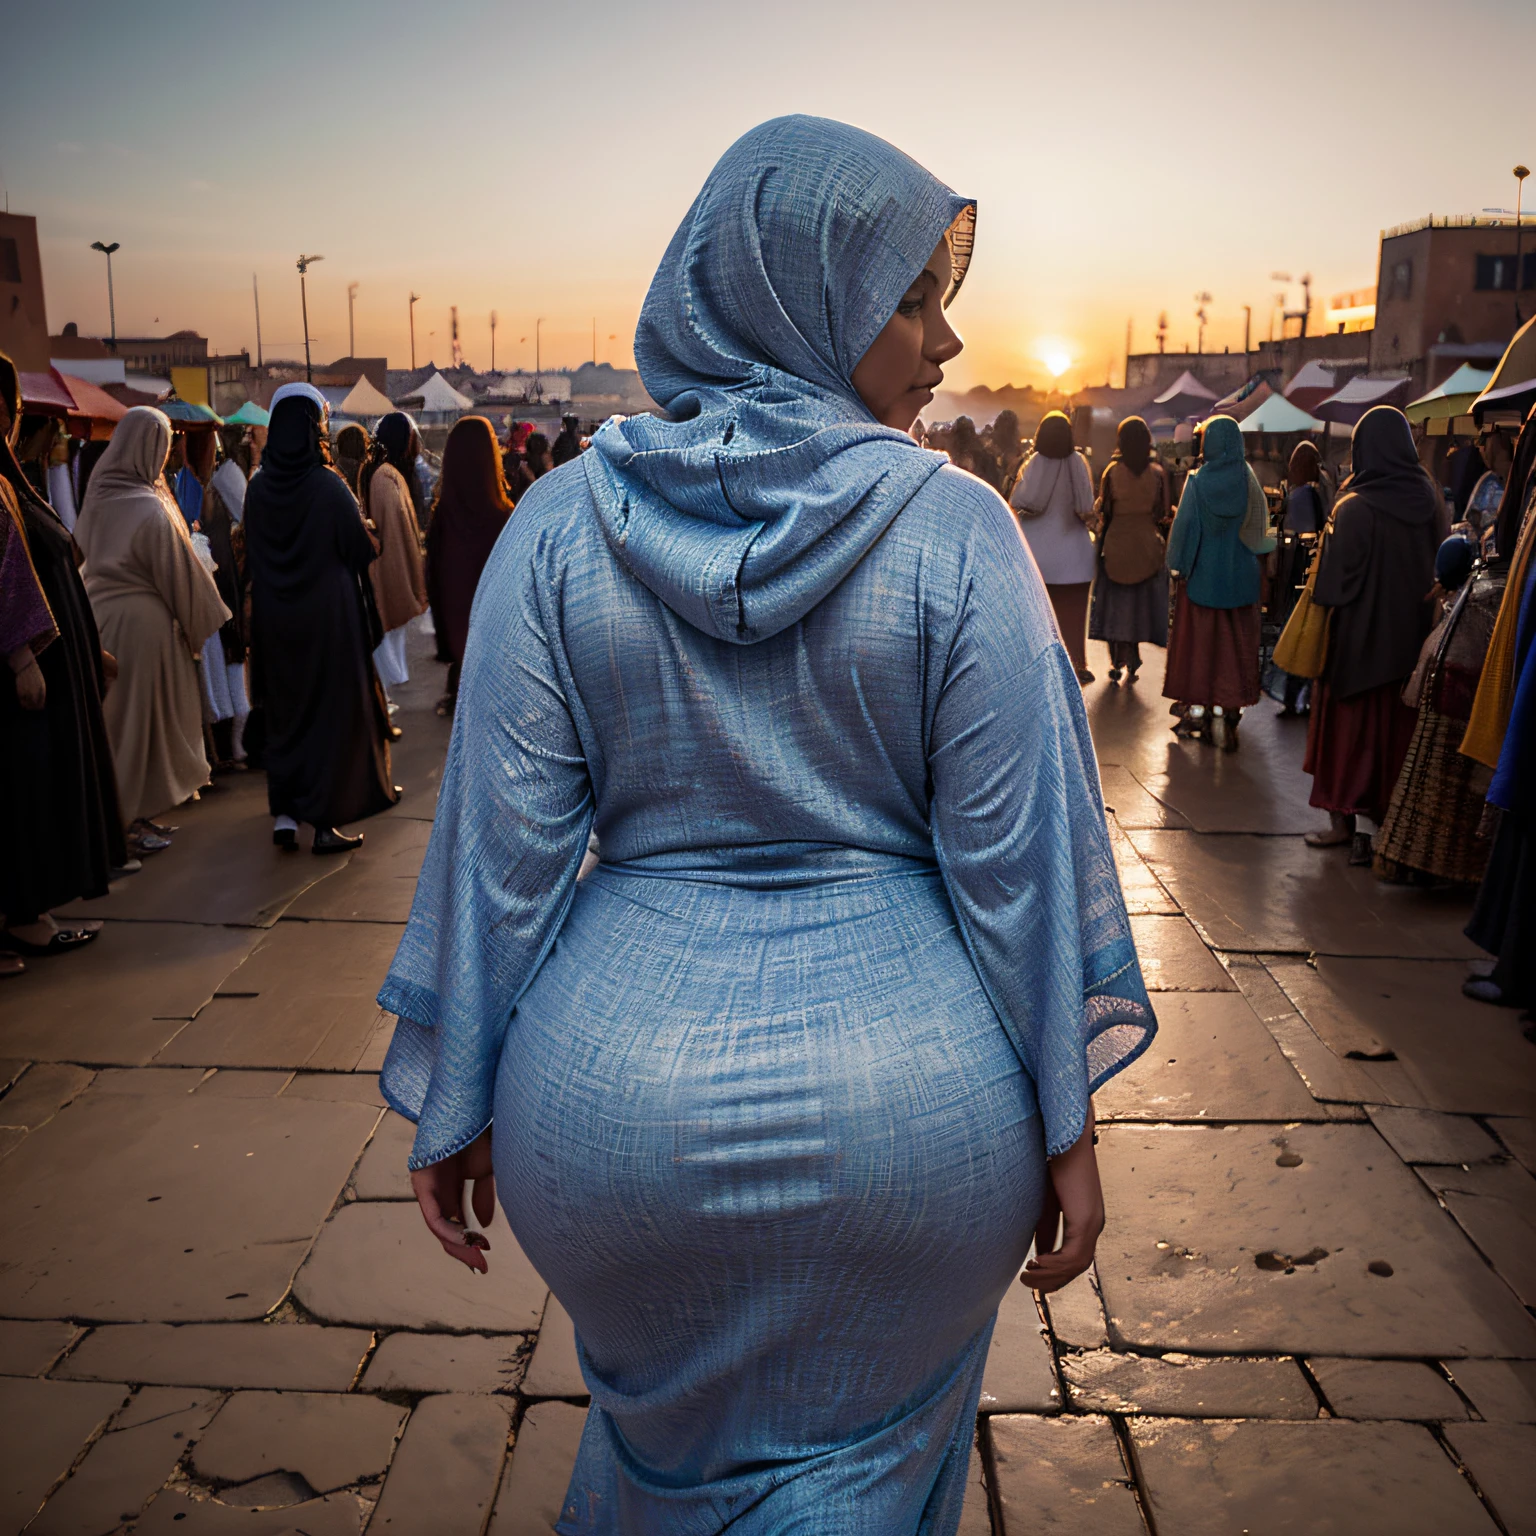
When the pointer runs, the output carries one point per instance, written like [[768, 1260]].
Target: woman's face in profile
[[896, 378]]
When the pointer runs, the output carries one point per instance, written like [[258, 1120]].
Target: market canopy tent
[[1242, 403], [96, 412], [438, 395], [1186, 396], [1277, 414], [364, 400], [1512, 389], [249, 415], [1349, 404], [1453, 397], [87, 410]]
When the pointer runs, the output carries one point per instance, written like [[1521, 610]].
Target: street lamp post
[[351, 326], [493, 341], [411, 310], [305, 262], [106, 250], [538, 359], [1521, 172]]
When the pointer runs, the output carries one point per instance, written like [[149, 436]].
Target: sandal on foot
[[65, 939]]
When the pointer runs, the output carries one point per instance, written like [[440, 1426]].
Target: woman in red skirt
[[1218, 536], [1376, 571]]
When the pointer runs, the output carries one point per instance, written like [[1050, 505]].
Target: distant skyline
[[1124, 158]]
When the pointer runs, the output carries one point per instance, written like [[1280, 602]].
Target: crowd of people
[[193, 601], [182, 602], [1410, 605]]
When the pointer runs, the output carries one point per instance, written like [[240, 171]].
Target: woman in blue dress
[[774, 1087]]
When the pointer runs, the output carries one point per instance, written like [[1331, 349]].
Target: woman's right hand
[[1070, 1219], [439, 1191]]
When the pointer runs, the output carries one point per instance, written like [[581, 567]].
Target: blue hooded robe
[[773, 1086]]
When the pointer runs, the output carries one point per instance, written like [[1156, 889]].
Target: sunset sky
[[535, 160]]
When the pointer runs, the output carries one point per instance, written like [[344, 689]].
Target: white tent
[[1185, 387], [364, 400], [1277, 414], [437, 394]]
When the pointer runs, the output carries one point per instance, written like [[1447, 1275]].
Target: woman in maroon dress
[[1376, 571]]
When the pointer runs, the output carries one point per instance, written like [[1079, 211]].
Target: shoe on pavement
[[329, 840], [287, 839]]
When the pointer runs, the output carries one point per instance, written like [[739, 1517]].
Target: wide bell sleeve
[[1018, 827], [500, 872], [184, 583]]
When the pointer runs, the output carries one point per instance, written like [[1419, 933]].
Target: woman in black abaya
[[308, 553], [61, 832]]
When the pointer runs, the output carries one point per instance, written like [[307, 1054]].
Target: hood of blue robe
[[769, 479]]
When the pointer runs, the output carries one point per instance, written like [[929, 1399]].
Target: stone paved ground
[[1311, 1311]]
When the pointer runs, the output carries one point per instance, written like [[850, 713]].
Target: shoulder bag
[[1302, 649]]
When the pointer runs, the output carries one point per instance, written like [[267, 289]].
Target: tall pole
[[493, 341], [1247, 330], [256, 297], [111, 303], [351, 327], [1125, 383], [1521, 172], [415, 297], [594, 341], [304, 265]]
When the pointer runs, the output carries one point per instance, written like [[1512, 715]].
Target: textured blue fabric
[[773, 1086], [1212, 543]]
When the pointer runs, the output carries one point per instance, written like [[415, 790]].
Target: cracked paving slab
[[113, 1211]]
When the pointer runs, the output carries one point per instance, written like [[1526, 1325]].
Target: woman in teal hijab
[[784, 1086], [1221, 530]]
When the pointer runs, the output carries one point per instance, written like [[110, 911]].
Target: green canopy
[[249, 415], [193, 415], [1453, 397]]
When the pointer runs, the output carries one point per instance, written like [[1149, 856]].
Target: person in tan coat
[[389, 494], [1130, 588], [156, 606]]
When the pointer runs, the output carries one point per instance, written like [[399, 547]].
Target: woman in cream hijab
[[156, 606]]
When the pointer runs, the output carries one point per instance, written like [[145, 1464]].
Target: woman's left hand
[[439, 1191], [1074, 1201]]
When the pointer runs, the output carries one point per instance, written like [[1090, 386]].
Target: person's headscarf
[[470, 511], [1005, 433], [296, 439], [1305, 466], [770, 479], [130, 479], [1453, 561], [396, 442], [1221, 481], [1133, 442], [473, 487], [134, 461], [1385, 468], [350, 448], [1053, 437]]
